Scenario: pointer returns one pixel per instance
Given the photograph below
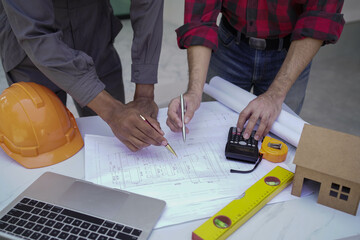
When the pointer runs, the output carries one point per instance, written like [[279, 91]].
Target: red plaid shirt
[[319, 19]]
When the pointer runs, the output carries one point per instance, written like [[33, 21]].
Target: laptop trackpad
[[90, 198]]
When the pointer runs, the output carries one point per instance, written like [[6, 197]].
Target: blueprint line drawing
[[198, 181]]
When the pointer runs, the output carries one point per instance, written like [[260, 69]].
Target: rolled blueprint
[[293, 122], [286, 126]]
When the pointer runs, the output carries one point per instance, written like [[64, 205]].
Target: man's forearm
[[104, 105], [198, 61], [144, 90], [300, 53]]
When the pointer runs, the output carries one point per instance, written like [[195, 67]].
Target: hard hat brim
[[49, 158]]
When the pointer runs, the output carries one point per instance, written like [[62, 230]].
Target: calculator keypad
[[240, 149], [237, 138]]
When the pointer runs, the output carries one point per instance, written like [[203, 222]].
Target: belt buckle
[[257, 43]]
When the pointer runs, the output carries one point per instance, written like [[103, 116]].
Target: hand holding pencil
[[167, 145]]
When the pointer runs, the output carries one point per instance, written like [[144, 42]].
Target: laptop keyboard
[[32, 219]]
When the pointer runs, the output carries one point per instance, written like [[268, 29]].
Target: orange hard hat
[[36, 129]]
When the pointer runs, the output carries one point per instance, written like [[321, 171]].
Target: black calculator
[[237, 148]]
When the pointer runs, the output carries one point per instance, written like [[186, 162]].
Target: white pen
[[182, 103]]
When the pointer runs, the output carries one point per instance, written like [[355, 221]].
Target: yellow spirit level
[[238, 211]]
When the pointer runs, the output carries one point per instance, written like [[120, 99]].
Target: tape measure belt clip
[[275, 145], [273, 150]]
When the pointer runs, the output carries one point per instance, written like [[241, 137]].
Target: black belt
[[258, 43]]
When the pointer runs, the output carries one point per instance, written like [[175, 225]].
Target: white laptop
[[61, 207]]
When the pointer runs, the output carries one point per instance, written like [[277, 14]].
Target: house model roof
[[329, 152]]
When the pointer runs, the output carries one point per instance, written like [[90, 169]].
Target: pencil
[[168, 145]]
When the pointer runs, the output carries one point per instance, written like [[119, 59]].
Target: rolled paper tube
[[240, 95], [282, 131]]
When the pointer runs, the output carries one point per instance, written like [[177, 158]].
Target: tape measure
[[273, 150], [238, 211]]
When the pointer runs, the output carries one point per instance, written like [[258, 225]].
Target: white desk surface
[[302, 218]]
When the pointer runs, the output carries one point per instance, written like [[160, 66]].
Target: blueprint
[[198, 181]]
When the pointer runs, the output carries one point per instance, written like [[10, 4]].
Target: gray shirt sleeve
[[33, 25], [147, 23]]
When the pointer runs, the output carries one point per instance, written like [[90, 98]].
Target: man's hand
[[146, 106], [265, 108], [125, 121], [198, 61], [144, 100], [192, 103], [130, 129]]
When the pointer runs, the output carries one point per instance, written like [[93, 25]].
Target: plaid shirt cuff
[[319, 25], [191, 34]]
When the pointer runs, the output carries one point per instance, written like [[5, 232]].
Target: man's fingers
[[141, 143], [174, 121], [137, 144], [261, 108], [243, 117], [148, 135], [192, 103], [173, 126], [269, 125], [133, 137], [139, 132], [267, 130], [174, 112], [156, 125], [250, 126], [131, 147], [189, 114], [264, 124]]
